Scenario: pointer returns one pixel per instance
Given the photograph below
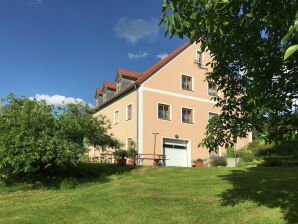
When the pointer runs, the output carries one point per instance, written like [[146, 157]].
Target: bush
[[131, 153], [219, 162], [231, 153], [119, 154], [36, 137]]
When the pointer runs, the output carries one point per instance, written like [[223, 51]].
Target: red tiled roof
[[141, 77], [130, 74], [99, 91], [110, 85], [161, 63]]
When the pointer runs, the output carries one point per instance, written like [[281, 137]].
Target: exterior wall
[[125, 128], [165, 87], [194, 133]]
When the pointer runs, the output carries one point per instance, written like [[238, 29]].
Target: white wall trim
[[178, 95], [140, 119], [250, 136]]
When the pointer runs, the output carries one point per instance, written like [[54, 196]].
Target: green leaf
[[291, 50]]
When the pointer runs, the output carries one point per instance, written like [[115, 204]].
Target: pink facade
[[172, 99]]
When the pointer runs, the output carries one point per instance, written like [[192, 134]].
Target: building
[[170, 98]]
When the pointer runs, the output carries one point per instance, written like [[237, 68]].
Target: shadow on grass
[[66, 178], [270, 187]]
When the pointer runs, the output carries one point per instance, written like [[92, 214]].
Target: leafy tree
[[35, 137], [247, 40]]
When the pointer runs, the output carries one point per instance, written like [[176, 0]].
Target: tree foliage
[[35, 136], [247, 40]]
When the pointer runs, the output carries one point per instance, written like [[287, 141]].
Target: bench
[[158, 159]]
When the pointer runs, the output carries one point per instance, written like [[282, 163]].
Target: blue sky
[[69, 47]]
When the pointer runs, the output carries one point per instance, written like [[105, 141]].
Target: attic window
[[200, 58]]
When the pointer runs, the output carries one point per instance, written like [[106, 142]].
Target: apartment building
[[171, 99]]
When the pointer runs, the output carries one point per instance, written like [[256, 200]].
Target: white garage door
[[176, 152]]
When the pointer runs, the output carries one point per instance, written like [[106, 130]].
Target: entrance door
[[176, 152]]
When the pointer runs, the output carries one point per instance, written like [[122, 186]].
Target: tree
[[35, 137], [247, 40]]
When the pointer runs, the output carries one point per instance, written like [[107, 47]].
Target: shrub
[[219, 162], [119, 153], [231, 153], [131, 153], [36, 137]]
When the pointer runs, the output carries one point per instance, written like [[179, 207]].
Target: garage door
[[176, 152]]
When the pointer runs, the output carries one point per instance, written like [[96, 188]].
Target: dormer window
[[104, 97], [200, 58]]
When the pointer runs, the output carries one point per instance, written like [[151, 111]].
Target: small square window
[[128, 112], [163, 111], [186, 82], [116, 117], [187, 115], [212, 90], [211, 115]]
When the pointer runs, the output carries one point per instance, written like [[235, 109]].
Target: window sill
[[187, 122], [188, 90], [164, 119]]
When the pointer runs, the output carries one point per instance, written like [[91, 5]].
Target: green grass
[[107, 194]]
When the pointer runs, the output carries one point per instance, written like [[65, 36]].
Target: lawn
[[156, 195]]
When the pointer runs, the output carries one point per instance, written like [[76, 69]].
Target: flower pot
[[130, 162], [121, 162], [199, 164]]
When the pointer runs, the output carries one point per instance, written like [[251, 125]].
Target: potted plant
[[119, 156], [131, 155], [199, 162]]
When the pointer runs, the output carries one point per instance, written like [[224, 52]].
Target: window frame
[[126, 143], [127, 117], [216, 94], [210, 112], [192, 82], [116, 121], [200, 57], [193, 115], [170, 111]]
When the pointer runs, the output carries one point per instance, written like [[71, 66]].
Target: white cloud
[[137, 55], [162, 55], [57, 100], [136, 29], [35, 2]]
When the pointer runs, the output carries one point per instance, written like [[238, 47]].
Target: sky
[[61, 50]]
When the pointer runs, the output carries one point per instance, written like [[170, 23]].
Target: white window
[[104, 98], [187, 115], [212, 90], [211, 115], [200, 58], [128, 112], [129, 143], [186, 82], [163, 111], [116, 117]]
